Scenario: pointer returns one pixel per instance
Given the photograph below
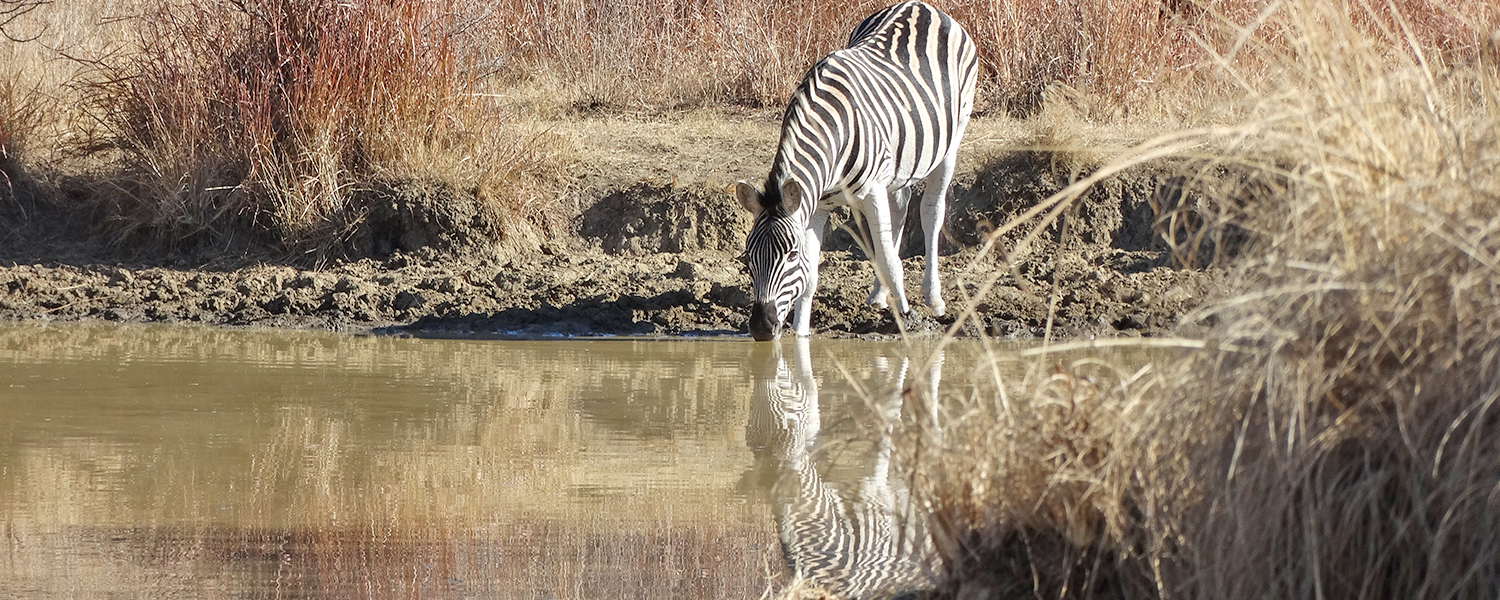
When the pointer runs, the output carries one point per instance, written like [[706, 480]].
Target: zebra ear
[[791, 197], [749, 198]]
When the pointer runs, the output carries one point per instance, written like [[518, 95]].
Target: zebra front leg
[[899, 200], [812, 253], [861, 230], [886, 259], [934, 208]]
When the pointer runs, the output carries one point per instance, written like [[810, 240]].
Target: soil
[[653, 250]]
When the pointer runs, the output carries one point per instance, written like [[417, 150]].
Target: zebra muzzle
[[764, 326]]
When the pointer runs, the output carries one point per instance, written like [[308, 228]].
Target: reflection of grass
[[342, 464], [1332, 435], [338, 463], [487, 428], [561, 558]]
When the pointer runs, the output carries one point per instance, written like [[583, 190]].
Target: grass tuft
[[1358, 425], [1028, 483], [20, 113], [1332, 434], [268, 116]]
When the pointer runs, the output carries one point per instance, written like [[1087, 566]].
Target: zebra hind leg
[[861, 229], [934, 207]]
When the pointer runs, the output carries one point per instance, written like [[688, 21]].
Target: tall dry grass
[[1363, 461], [1331, 433], [18, 119], [1028, 483], [215, 120], [232, 117], [1124, 59], [642, 56], [647, 56], [19, 111]]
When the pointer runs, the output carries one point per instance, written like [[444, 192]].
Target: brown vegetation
[[273, 116], [17, 115], [286, 123], [1329, 432]]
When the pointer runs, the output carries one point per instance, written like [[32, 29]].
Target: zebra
[[857, 545], [866, 124]]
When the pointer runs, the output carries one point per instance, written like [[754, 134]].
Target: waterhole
[[169, 461]]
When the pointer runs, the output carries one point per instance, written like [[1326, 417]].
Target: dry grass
[[1028, 482], [272, 116], [639, 55], [646, 56], [19, 112], [206, 122], [18, 119], [214, 120], [1333, 434], [1363, 462]]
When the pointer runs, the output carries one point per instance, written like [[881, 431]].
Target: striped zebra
[[858, 545], [866, 124]]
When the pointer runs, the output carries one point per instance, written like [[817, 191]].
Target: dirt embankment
[[654, 250]]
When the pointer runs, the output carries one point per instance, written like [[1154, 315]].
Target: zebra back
[[883, 111]]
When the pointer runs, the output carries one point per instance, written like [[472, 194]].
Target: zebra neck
[[812, 147]]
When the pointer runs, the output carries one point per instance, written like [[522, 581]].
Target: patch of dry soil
[[654, 251]]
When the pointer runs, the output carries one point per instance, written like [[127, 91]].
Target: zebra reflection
[[857, 543]]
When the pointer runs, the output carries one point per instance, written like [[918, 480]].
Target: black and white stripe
[[866, 124], [858, 544]]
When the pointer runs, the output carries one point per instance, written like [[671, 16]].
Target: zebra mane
[[793, 163], [771, 197]]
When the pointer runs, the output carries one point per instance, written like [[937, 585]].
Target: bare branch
[[10, 10]]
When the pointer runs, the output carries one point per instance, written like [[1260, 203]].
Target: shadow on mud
[[626, 315]]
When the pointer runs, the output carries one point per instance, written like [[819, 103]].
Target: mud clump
[[411, 215], [646, 219], [648, 259]]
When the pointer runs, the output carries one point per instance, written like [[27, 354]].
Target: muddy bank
[[653, 259], [580, 294]]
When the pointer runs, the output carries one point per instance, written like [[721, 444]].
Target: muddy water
[[160, 461]]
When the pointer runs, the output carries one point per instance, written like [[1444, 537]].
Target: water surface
[[166, 461]]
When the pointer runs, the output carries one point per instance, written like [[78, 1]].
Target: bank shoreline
[[651, 248]]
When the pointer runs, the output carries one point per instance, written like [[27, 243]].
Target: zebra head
[[774, 253]]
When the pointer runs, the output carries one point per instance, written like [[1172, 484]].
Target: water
[[155, 461]]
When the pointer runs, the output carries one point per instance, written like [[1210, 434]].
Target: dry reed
[[1332, 435], [645, 56], [1360, 424], [269, 119], [272, 116], [17, 117]]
